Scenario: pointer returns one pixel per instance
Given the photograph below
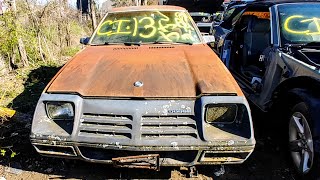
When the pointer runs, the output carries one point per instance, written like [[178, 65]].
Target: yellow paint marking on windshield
[[119, 27], [135, 27], [170, 36], [149, 26], [314, 20], [179, 28], [165, 19], [286, 25], [186, 36], [103, 24], [119, 30], [165, 36]]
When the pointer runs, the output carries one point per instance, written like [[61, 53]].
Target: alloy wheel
[[301, 143]]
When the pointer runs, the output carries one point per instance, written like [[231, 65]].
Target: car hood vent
[[161, 47], [125, 48]]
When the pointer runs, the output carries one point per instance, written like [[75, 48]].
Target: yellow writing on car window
[[148, 27], [121, 27], [303, 20]]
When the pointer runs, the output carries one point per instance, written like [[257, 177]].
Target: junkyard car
[[203, 20], [273, 51], [146, 88]]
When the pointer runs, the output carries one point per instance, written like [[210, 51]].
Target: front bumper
[[107, 129]]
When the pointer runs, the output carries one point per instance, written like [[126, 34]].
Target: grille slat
[[102, 125], [105, 129], [105, 134], [106, 117], [168, 127], [106, 122], [168, 131]]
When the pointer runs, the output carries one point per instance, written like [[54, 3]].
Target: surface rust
[[179, 71], [150, 161]]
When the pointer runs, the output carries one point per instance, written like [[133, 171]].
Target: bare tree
[[93, 14], [21, 47]]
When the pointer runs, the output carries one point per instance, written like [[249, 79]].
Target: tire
[[300, 141]]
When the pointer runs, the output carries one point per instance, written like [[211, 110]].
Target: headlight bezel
[[221, 105], [59, 103]]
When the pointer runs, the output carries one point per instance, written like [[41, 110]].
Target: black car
[[273, 50]]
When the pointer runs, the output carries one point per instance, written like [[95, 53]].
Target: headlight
[[60, 110], [225, 113]]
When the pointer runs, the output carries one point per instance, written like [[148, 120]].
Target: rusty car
[[146, 91]]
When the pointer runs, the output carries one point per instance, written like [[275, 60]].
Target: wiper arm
[[182, 42], [132, 43], [105, 43], [309, 44], [171, 42], [117, 43], [162, 42]]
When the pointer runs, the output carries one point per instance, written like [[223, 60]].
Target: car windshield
[[146, 27], [299, 23]]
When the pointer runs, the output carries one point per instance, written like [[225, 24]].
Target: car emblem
[[138, 84]]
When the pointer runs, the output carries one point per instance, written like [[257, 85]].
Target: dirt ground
[[267, 162]]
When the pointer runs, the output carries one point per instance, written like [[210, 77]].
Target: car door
[[249, 69], [221, 31]]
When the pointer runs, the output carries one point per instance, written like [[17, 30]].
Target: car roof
[[148, 8]]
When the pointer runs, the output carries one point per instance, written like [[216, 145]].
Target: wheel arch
[[301, 89], [303, 82]]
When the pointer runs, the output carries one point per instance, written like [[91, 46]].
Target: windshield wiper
[[106, 43], [161, 42], [132, 43], [182, 42], [312, 44], [170, 42], [117, 43], [309, 44]]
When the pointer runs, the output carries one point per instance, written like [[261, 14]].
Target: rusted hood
[[165, 71]]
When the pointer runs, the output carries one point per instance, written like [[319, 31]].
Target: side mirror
[[85, 40], [208, 39]]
